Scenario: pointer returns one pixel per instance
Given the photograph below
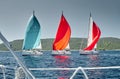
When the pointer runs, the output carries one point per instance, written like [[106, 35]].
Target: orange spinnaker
[[63, 35]]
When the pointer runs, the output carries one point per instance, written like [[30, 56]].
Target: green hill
[[108, 43]]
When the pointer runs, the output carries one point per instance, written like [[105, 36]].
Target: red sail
[[63, 35], [95, 37]]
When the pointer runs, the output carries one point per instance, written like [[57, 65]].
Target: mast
[[33, 13]]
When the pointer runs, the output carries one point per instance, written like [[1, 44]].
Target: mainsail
[[94, 35], [32, 36], [63, 35]]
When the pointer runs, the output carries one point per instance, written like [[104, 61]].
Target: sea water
[[104, 58]]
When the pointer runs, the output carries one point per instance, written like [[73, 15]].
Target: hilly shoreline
[[106, 43]]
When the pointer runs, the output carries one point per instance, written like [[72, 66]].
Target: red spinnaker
[[95, 37], [63, 35]]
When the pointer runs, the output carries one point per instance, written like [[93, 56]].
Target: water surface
[[105, 58]]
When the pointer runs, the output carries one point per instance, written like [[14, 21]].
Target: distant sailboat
[[94, 36], [61, 42], [32, 40]]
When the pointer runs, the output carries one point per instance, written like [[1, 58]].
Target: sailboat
[[93, 38], [61, 42], [32, 41]]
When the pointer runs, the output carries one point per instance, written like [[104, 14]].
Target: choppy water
[[105, 58]]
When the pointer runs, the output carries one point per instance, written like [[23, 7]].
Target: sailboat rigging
[[93, 38], [61, 42], [32, 40]]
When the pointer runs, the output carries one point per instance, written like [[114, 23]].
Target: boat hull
[[34, 53], [61, 52], [92, 52]]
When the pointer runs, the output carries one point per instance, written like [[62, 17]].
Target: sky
[[14, 16]]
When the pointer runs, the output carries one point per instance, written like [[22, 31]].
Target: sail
[[39, 47], [63, 35], [94, 35], [67, 47], [32, 36]]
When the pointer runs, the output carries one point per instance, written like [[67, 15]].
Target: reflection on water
[[62, 62], [93, 62], [93, 57]]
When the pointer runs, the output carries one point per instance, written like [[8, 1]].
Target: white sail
[[39, 47], [90, 31], [68, 46]]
